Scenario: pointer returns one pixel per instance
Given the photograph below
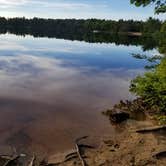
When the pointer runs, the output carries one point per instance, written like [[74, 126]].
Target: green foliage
[[160, 5], [90, 30], [152, 26], [70, 25], [162, 39], [150, 59], [52, 26], [152, 86], [161, 119], [163, 28]]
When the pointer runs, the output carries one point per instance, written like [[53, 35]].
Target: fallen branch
[[151, 129]]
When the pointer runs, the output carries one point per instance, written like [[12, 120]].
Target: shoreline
[[135, 34], [125, 148]]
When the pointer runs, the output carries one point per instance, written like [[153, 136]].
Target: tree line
[[90, 30], [57, 26]]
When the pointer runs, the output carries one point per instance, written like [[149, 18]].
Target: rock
[[118, 116]]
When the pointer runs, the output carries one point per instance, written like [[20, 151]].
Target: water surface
[[54, 90]]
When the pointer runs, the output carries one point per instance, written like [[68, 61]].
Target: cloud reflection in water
[[50, 89]]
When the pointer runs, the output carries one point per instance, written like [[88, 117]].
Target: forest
[[58, 26], [126, 32]]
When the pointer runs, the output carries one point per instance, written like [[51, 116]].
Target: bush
[[152, 86]]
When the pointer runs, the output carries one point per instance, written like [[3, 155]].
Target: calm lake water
[[53, 91]]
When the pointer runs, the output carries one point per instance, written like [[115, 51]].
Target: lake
[[53, 91]]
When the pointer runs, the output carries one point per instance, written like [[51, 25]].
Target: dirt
[[127, 148]]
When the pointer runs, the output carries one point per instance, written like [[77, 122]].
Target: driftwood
[[151, 129]]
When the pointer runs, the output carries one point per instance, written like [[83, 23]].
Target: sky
[[102, 9]]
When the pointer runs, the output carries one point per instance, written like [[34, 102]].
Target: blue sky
[[103, 9]]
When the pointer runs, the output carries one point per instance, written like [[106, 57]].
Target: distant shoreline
[[120, 33]]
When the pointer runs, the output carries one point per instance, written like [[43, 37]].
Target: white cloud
[[6, 45], [10, 3], [72, 9], [44, 4], [63, 5]]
